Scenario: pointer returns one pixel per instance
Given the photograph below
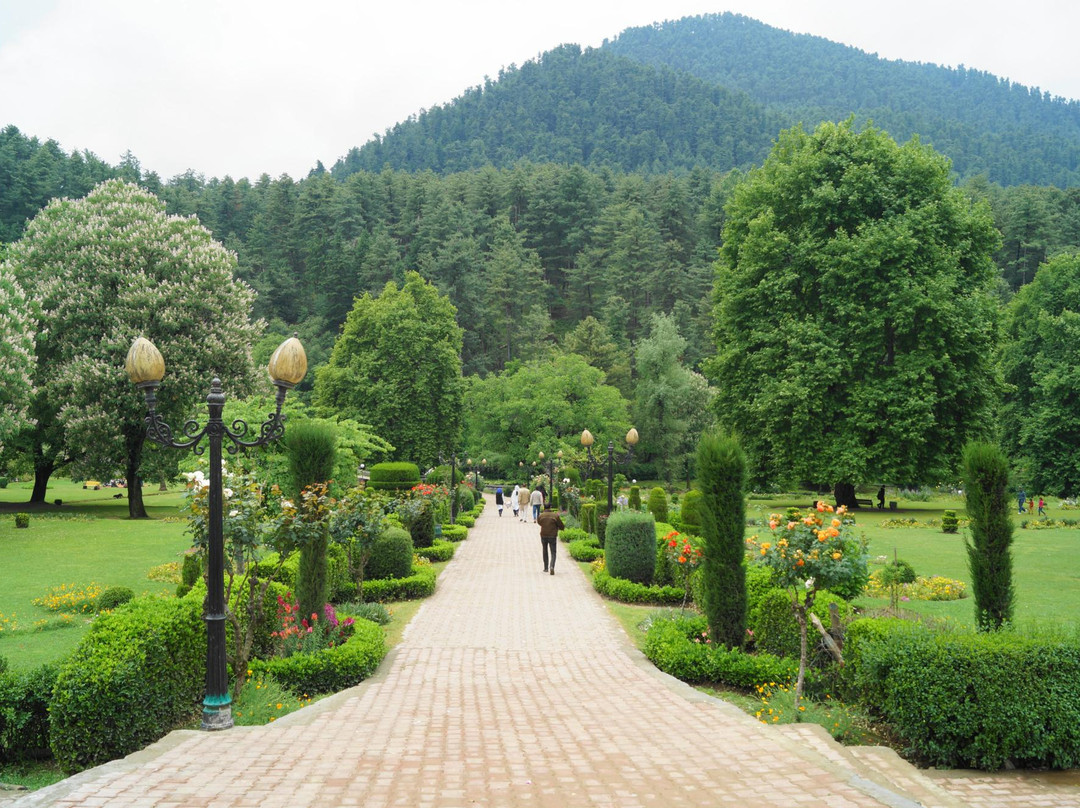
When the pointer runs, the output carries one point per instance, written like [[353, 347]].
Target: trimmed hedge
[[585, 549], [439, 551], [634, 500], [658, 504], [393, 476], [331, 669], [24, 713], [587, 514], [337, 570], [466, 519], [420, 584], [629, 592], [455, 532], [391, 555], [775, 628], [137, 674], [691, 511], [967, 700], [670, 647], [569, 534], [631, 546], [114, 597]]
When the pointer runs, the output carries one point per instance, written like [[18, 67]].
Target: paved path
[[510, 688]]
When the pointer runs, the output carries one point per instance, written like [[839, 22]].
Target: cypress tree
[[721, 467], [986, 478]]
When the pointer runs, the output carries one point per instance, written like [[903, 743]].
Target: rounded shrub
[[421, 524], [22, 520], [949, 522], [774, 626], [630, 546], [393, 476], [691, 511], [634, 500], [136, 675], [190, 572], [24, 712], [391, 555], [112, 597], [466, 500], [658, 504]]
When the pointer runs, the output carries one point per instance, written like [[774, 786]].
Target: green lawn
[[89, 539], [1046, 578]]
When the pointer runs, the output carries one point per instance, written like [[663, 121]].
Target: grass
[[89, 539]]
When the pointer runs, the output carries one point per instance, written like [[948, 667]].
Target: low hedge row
[[969, 700], [330, 669], [586, 549], [466, 520], [570, 534], [393, 476], [669, 644], [629, 592], [440, 550], [455, 532], [24, 713], [137, 674], [420, 584]]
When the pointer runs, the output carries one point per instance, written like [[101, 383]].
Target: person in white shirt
[[536, 499]]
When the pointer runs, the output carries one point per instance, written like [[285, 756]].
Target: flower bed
[[629, 592]]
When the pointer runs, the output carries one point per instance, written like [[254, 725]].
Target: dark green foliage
[[452, 533], [587, 549], [721, 468], [626, 591], [421, 525], [137, 674], [394, 476], [601, 527], [311, 448], [391, 555], [331, 669], [24, 713], [759, 582], [634, 500], [949, 522], [190, 572], [312, 574], [677, 647], [775, 629], [420, 584], [465, 498], [440, 550], [901, 571], [691, 511], [572, 474], [569, 534], [466, 520], [113, 597], [22, 520], [986, 479], [858, 574], [630, 548], [964, 700], [658, 504], [588, 517]]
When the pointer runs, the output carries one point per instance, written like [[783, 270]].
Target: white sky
[[242, 87]]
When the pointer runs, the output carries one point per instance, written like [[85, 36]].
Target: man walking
[[523, 501], [550, 525], [536, 499]]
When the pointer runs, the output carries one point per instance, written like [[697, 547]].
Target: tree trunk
[[136, 509], [800, 617], [845, 495], [42, 472]]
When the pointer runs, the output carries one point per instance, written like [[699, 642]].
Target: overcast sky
[[243, 87]]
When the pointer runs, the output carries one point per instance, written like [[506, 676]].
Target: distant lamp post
[[593, 463], [550, 473], [146, 368], [453, 483]]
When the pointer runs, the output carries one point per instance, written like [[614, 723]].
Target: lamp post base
[[217, 715]]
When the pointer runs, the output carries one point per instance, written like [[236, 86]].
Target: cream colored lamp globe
[[144, 362], [289, 362], [632, 436], [586, 438]]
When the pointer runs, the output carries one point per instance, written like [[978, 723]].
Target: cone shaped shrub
[[658, 504], [986, 476], [630, 546]]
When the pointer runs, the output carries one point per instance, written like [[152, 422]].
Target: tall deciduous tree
[[853, 311], [16, 355], [397, 366], [1040, 419], [103, 270]]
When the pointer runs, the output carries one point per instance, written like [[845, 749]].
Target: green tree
[[721, 468], [16, 356], [592, 341], [103, 270], [1040, 420], [668, 397], [853, 310], [986, 480], [397, 366]]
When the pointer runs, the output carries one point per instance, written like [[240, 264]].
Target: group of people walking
[[1021, 496], [521, 501]]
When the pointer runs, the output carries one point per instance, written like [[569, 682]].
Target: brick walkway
[[510, 688]]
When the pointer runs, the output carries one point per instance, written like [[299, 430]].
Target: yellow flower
[[836, 556]]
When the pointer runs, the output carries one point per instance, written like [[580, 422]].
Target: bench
[[864, 503]]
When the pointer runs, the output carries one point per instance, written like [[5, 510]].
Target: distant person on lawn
[[550, 525]]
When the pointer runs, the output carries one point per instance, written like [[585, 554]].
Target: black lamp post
[[476, 472], [453, 484], [146, 368], [551, 474], [587, 440]]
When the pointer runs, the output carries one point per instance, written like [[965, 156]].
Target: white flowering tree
[[16, 356], [103, 270]]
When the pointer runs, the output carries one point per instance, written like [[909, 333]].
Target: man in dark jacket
[[550, 525]]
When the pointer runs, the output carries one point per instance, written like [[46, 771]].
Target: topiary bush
[[773, 624], [190, 572], [587, 549], [465, 498], [634, 500], [331, 669], [455, 532], [569, 534], [691, 512], [420, 522], [658, 504], [391, 555], [113, 597], [466, 520], [588, 517], [22, 520], [136, 675], [24, 713], [970, 700], [393, 477], [949, 522], [440, 550], [625, 591], [420, 584], [630, 548]]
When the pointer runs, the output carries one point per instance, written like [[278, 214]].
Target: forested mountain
[[986, 125], [591, 108]]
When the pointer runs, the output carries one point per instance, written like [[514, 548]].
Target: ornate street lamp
[[551, 473], [146, 368], [592, 463]]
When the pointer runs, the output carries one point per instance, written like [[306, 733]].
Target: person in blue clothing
[[499, 499], [1021, 498]]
